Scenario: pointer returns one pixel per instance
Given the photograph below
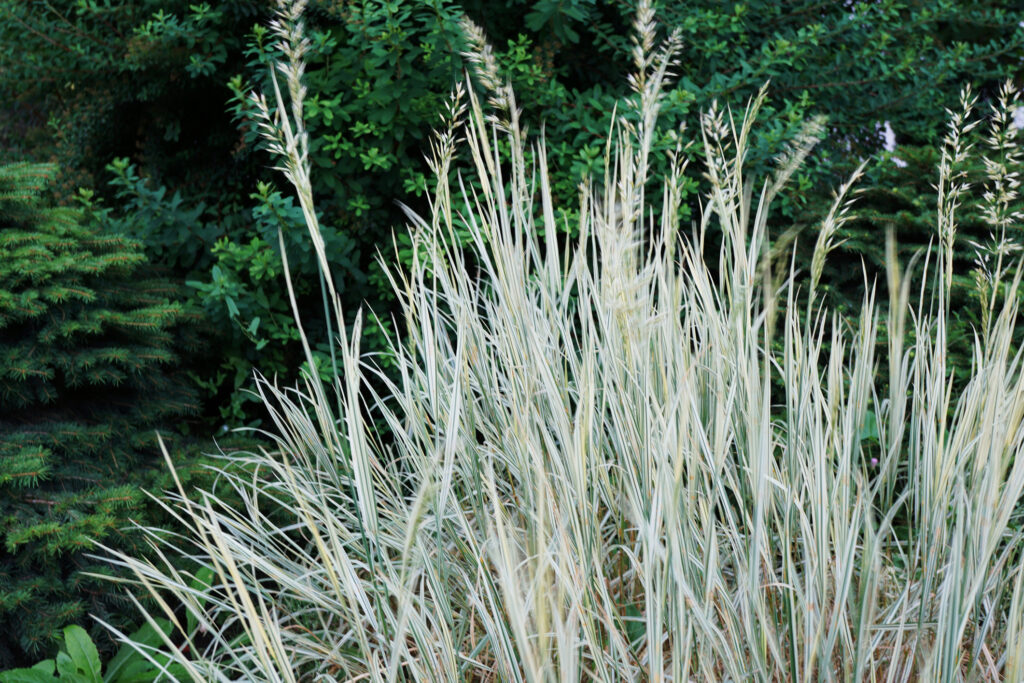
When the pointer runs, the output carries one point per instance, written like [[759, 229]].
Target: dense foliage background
[[145, 104]]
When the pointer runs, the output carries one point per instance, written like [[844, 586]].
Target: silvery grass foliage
[[607, 459]]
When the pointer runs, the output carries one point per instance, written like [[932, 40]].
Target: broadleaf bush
[[164, 84]]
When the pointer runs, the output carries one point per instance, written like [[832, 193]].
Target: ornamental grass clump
[[606, 458]]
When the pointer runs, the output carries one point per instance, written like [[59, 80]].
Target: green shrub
[[183, 177], [88, 83], [89, 351], [142, 78], [377, 73], [147, 82], [859, 64], [613, 460], [896, 194]]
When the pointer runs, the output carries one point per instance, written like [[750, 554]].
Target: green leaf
[[129, 665], [636, 627], [83, 653], [136, 671], [41, 672], [202, 581], [869, 430], [67, 670]]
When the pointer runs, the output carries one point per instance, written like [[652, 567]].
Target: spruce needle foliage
[[612, 460], [87, 351]]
